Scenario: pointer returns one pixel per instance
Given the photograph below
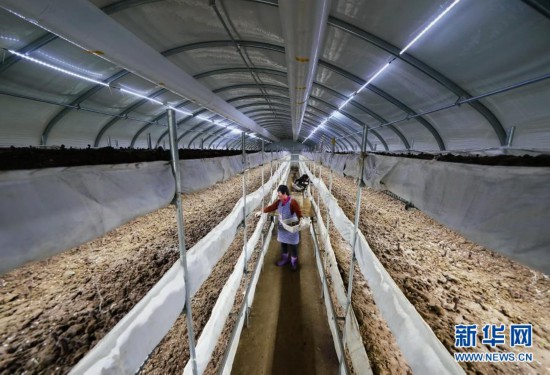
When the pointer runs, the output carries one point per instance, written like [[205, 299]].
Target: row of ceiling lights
[[220, 122], [127, 91], [336, 112]]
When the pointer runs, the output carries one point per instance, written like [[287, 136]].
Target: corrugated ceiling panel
[[15, 33], [486, 45], [231, 79], [379, 105], [418, 136], [22, 121], [462, 128], [396, 21], [254, 21], [78, 129], [168, 24], [416, 90], [527, 109], [207, 59], [335, 81], [353, 54]]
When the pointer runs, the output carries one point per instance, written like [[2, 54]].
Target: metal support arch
[[333, 135], [156, 119], [464, 101], [334, 22], [340, 71], [125, 112], [181, 122], [332, 121], [357, 105]]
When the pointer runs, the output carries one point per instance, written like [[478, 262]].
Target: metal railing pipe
[[360, 185], [181, 235]]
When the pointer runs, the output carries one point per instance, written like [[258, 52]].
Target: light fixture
[[430, 25], [65, 71], [128, 91], [180, 111], [9, 38], [374, 77], [346, 102], [68, 65], [141, 96], [204, 118]]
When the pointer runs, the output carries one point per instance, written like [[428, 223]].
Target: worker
[[300, 184], [289, 210]]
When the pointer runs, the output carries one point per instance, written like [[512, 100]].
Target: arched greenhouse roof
[[420, 75]]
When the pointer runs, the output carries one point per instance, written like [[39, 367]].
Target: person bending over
[[289, 210], [300, 184]]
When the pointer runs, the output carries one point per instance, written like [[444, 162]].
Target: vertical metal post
[[181, 235], [319, 189], [263, 195], [202, 143], [316, 174], [356, 226], [149, 143], [510, 137], [271, 163], [109, 141], [330, 186], [116, 142], [243, 140]]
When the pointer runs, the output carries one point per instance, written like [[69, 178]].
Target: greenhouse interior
[[275, 187]]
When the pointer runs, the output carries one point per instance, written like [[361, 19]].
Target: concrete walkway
[[288, 330]]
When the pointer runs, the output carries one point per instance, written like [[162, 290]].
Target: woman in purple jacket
[[289, 210]]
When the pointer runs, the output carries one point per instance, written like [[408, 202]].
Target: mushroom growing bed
[[172, 354], [449, 280], [54, 311]]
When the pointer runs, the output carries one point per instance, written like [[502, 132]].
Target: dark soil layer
[[503, 160], [33, 158]]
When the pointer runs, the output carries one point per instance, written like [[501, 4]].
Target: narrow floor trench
[[288, 331]]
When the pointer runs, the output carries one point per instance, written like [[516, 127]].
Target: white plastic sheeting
[[232, 349], [419, 345], [502, 208], [125, 348], [224, 304], [353, 340], [50, 210]]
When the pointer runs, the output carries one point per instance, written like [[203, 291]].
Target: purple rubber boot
[[284, 260], [294, 263]]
